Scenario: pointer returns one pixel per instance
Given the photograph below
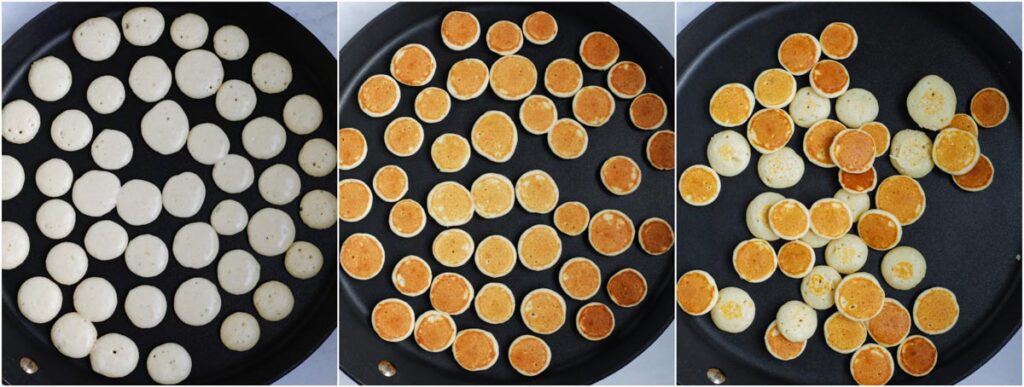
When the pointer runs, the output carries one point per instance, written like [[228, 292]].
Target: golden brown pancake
[[567, 139], [775, 88], [696, 292], [936, 311], [403, 136], [880, 134], [964, 122], [871, 365], [901, 196], [354, 200], [390, 183], [917, 355], [351, 148], [513, 77], [627, 79], [459, 30], [955, 151], [699, 185], [379, 95], [450, 152], [754, 260], [829, 78], [796, 259], [451, 293], [830, 218], [780, 347], [580, 278], [731, 105], [844, 335], [979, 177], [468, 78], [407, 218], [493, 195], [413, 65], [412, 276], [989, 107], [537, 114], [572, 218], [798, 53], [432, 105], [434, 331], [627, 288], [543, 311], [361, 256], [563, 78], [818, 141], [769, 130], [495, 256], [853, 151], [595, 321], [620, 175], [789, 219], [475, 349], [494, 303], [537, 192], [610, 232], [599, 51], [593, 106], [891, 325], [450, 204], [504, 37], [494, 136], [392, 319], [452, 247], [859, 182], [540, 28], [539, 247], [838, 40], [656, 236], [661, 150], [859, 297], [647, 111], [879, 229], [529, 355]]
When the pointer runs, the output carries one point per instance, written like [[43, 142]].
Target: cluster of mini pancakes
[[851, 145], [494, 136], [199, 74]]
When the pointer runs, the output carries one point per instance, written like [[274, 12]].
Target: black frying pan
[[575, 360], [283, 344], [972, 241]]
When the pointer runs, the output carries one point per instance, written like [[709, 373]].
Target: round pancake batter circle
[[279, 184], [273, 300], [316, 157], [145, 306], [183, 194], [114, 355], [271, 73], [734, 311], [197, 302], [142, 26], [270, 232], [317, 209], [610, 232], [106, 240], [97, 38], [240, 332], [49, 78], [55, 219], [105, 94], [95, 299], [233, 174], [39, 299], [169, 363], [910, 153], [238, 272], [73, 335], [165, 127], [111, 149], [13, 177], [146, 256], [235, 100], [361, 256], [66, 263], [72, 130], [199, 74], [195, 245], [818, 288], [150, 79], [230, 42], [303, 260], [189, 31], [21, 121]]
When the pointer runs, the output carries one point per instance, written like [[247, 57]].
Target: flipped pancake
[[859, 182], [599, 51], [964, 122], [571, 218], [529, 355], [872, 365], [351, 148], [379, 95], [543, 311], [504, 37], [432, 105], [647, 111], [627, 288], [450, 152], [413, 65], [754, 260], [593, 106], [434, 331], [390, 183], [450, 204], [917, 355], [955, 151], [796, 259], [789, 219], [699, 185], [563, 78], [452, 247], [626, 79], [495, 256], [354, 200], [844, 335], [610, 232], [838, 40], [880, 134], [829, 78], [392, 319], [696, 292], [467, 79], [595, 321], [780, 347], [901, 196], [580, 278], [412, 276], [361, 256], [979, 177], [451, 293], [403, 136], [775, 88], [769, 130], [818, 141], [493, 195], [661, 150], [656, 236], [989, 107], [539, 247], [936, 311], [540, 28], [494, 136], [891, 325], [830, 218], [731, 105], [568, 139], [879, 229], [799, 52], [513, 77], [459, 30], [495, 303], [853, 151], [537, 114], [475, 349], [537, 192], [620, 175], [407, 218], [859, 297]]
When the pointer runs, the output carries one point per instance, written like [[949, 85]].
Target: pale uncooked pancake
[[495, 256], [199, 74], [434, 331], [451, 293], [595, 321], [757, 215], [892, 325], [495, 303], [111, 149], [529, 355], [696, 292], [754, 260], [66, 263], [936, 311], [432, 105], [146, 256], [917, 355], [39, 299], [273, 300], [351, 148], [989, 107], [728, 153], [856, 107], [55, 219], [513, 77], [779, 346], [303, 260], [230, 42], [699, 185], [271, 73], [20, 121], [796, 321], [782, 169], [195, 245], [789, 219], [475, 349], [769, 130], [150, 79], [563, 78], [731, 105], [661, 150], [593, 106], [95, 299], [459, 30], [627, 288], [97, 38], [808, 107], [392, 319], [903, 268], [142, 26], [911, 153], [105, 94], [580, 278], [537, 192], [238, 272], [169, 363], [95, 193], [842, 334], [775, 88], [543, 311], [105, 240], [467, 79], [599, 51], [263, 138], [54, 177], [846, 254], [799, 52], [270, 232], [316, 157], [978, 178], [183, 194], [648, 111], [838, 40], [412, 276], [872, 365], [571, 218], [390, 182], [450, 152], [829, 78], [539, 247], [537, 114], [240, 332], [49, 78], [734, 311], [114, 355], [189, 31], [413, 65], [879, 229], [145, 306], [818, 288], [955, 151], [610, 232], [626, 79], [540, 28], [361, 256], [317, 209], [72, 130], [859, 297], [235, 100], [568, 139], [73, 335], [453, 247], [379, 95], [403, 136], [13, 177], [450, 204], [233, 173], [932, 103], [279, 184], [493, 195], [165, 127], [504, 37]]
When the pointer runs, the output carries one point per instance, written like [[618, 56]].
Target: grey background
[[1005, 367], [321, 20], [656, 365]]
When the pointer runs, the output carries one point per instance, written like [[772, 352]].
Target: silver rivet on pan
[[1018, 257], [386, 368], [29, 366], [716, 376]]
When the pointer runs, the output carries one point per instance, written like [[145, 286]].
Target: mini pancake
[[936, 311], [731, 105], [879, 229], [892, 325], [647, 111], [450, 152], [432, 105], [853, 151], [351, 148], [412, 276], [434, 331], [902, 197], [568, 139], [903, 268], [872, 365], [780, 347], [413, 65], [580, 278], [593, 106], [563, 78], [627, 288], [450, 204], [626, 79], [540, 28], [537, 192], [459, 30], [493, 195], [571, 218], [504, 37], [880, 133], [734, 310], [390, 183], [610, 232], [917, 355], [661, 150], [539, 247], [379, 95], [989, 107], [452, 247], [495, 256], [789, 219], [847, 254], [964, 122], [932, 103], [475, 349], [838, 40], [354, 200], [859, 182], [797, 321], [830, 218], [407, 218], [814, 240], [859, 297], [955, 151], [696, 292], [796, 259], [829, 78], [494, 303], [599, 51], [467, 79], [856, 202], [757, 215], [754, 260], [513, 77], [769, 130], [494, 136], [543, 311], [361, 256], [774, 88], [978, 178], [451, 293], [620, 175], [856, 107], [808, 107], [537, 114], [844, 335], [911, 153], [699, 185], [782, 169], [392, 319], [403, 136], [595, 321], [529, 355], [818, 288], [656, 236], [799, 52]]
